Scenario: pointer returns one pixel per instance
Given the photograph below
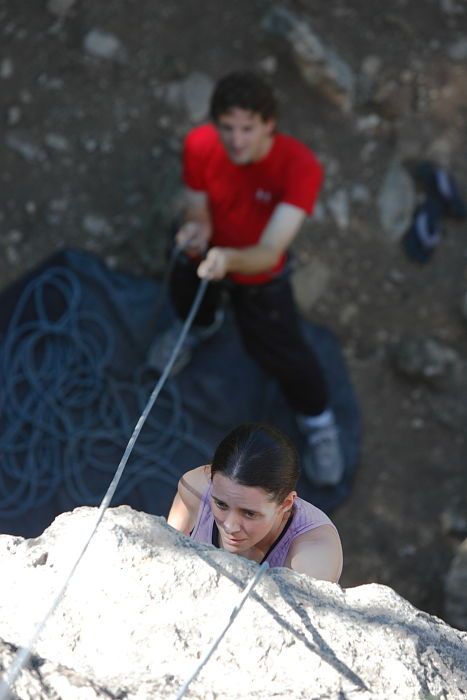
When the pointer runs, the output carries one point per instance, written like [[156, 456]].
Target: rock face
[[146, 603]]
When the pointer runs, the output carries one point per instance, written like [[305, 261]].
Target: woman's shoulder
[[316, 549], [194, 483], [317, 552]]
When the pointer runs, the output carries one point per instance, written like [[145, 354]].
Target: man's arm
[[195, 233], [278, 235]]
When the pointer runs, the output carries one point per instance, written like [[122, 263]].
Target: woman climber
[[245, 502]]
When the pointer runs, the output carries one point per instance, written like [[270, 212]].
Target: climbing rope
[[24, 653], [236, 609]]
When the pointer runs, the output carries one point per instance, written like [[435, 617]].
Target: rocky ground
[[95, 99]]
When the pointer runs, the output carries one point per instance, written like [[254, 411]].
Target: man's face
[[245, 135]]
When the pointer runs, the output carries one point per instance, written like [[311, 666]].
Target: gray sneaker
[[162, 347], [323, 461]]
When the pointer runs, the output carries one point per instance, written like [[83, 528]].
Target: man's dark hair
[[255, 454], [244, 90]]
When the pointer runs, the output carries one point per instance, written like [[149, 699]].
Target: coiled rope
[[24, 653], [62, 410]]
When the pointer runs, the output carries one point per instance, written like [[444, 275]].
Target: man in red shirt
[[248, 190]]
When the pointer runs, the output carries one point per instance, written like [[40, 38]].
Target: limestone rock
[[146, 603], [319, 64]]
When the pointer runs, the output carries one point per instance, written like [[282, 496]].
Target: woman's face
[[246, 515]]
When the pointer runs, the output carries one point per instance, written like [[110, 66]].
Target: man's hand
[[193, 237], [215, 265]]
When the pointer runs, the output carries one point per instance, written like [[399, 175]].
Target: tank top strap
[[202, 531]]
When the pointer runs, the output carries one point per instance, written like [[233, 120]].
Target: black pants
[[269, 324]]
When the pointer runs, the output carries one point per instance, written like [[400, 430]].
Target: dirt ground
[[90, 150]]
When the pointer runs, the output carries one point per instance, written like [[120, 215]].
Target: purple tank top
[[305, 517]]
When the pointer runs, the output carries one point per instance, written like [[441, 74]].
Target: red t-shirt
[[242, 198]]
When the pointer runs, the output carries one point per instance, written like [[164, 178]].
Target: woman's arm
[[184, 510], [317, 553]]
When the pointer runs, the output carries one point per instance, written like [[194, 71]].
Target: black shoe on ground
[[424, 233], [437, 182]]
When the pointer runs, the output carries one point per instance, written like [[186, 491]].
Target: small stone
[[371, 65], [13, 115], [97, 225], [164, 121], [57, 142], [197, 90], [31, 207], [319, 213], [369, 122], [310, 283], [367, 151], [58, 205], [268, 65], [25, 97], [6, 68], [360, 194], [338, 205], [348, 313], [104, 45], [407, 550], [396, 200], [11, 255], [450, 7], [90, 145], [60, 8], [417, 423], [458, 50], [31, 152], [14, 236], [396, 276]]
